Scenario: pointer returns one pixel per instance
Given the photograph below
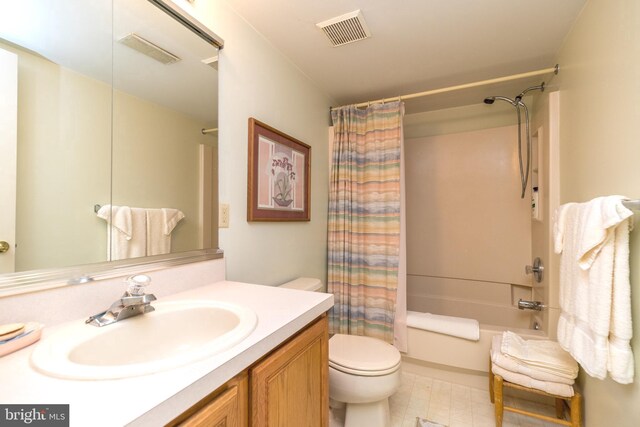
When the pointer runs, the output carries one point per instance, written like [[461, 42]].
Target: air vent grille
[[344, 29], [149, 49]]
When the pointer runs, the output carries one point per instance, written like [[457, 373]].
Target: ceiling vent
[[145, 47], [344, 29]]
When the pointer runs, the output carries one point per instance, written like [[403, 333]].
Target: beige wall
[[257, 81], [467, 226], [65, 160], [459, 119], [600, 148]]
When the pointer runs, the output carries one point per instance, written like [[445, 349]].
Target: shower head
[[491, 99]]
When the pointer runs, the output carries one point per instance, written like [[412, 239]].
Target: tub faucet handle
[[537, 269]]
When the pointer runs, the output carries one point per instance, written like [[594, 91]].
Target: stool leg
[[497, 391], [576, 410], [490, 382], [559, 408]]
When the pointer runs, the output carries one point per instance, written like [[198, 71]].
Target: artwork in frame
[[279, 175]]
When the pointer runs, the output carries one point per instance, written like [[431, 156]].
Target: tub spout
[[530, 305]]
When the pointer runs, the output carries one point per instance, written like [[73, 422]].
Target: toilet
[[363, 372]]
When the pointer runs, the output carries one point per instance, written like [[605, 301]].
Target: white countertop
[[156, 399]]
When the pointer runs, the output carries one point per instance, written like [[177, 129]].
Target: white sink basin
[[175, 334]]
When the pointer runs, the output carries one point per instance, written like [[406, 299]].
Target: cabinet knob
[[4, 247]]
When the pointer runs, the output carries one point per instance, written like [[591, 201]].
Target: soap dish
[[31, 333]]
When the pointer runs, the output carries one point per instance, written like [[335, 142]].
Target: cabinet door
[[229, 409], [290, 387]]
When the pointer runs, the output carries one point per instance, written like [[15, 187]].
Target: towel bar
[[633, 205]]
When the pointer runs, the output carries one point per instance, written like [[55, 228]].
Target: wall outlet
[[223, 216]]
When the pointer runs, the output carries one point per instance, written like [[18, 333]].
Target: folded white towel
[[160, 224], [598, 218], [455, 326], [519, 367], [564, 390], [541, 354], [595, 320]]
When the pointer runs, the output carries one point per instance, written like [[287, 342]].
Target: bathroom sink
[[175, 334]]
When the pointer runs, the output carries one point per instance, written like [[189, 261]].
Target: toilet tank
[[304, 284]]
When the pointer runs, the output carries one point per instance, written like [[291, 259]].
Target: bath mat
[[423, 422]]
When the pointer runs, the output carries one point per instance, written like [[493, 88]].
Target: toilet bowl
[[363, 372]]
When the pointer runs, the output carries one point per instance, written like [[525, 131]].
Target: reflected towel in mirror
[[160, 224]]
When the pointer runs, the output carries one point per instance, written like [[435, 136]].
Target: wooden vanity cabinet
[[289, 387], [225, 407]]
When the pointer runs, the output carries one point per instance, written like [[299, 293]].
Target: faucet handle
[[137, 283]]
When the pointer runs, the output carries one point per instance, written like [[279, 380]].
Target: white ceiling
[[417, 45]]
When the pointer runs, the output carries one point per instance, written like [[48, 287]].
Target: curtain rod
[[543, 71]]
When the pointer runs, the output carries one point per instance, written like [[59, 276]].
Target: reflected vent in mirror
[[344, 29], [211, 62], [149, 49]]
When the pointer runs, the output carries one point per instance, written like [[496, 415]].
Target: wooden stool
[[496, 385]]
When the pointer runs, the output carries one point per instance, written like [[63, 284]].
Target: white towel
[[455, 326], [559, 389], [160, 224], [595, 320], [126, 237], [543, 355], [513, 365]]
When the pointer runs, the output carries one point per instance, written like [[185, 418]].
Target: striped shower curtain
[[365, 266]]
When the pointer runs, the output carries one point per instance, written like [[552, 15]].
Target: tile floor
[[451, 405]]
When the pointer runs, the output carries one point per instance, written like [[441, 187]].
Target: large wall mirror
[[103, 157]]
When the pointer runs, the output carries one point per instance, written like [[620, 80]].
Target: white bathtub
[[452, 352], [493, 305]]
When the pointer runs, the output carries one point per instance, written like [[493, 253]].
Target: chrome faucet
[[132, 303], [530, 305]]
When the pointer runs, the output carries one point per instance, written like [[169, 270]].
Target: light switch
[[223, 216]]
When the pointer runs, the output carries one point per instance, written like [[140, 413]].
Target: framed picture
[[279, 175]]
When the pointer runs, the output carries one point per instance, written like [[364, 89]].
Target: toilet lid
[[362, 355]]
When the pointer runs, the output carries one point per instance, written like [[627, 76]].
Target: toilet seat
[[362, 356]]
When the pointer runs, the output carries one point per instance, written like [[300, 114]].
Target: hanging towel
[[126, 233], [543, 355], [595, 320], [551, 387], [160, 224], [455, 326], [518, 367]]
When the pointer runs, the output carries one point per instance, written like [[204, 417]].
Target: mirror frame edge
[[38, 280]]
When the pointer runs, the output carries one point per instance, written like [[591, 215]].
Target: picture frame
[[279, 181]]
